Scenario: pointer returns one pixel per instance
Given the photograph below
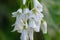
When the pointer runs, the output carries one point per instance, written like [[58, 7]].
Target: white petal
[[32, 23], [44, 27], [31, 34], [24, 35], [37, 29], [25, 14], [14, 14], [19, 10], [37, 16], [26, 10], [18, 26], [24, 1], [14, 29]]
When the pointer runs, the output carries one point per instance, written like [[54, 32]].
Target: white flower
[[38, 5], [28, 21], [19, 22], [44, 27], [24, 1], [35, 19]]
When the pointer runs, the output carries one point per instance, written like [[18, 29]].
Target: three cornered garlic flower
[[28, 21]]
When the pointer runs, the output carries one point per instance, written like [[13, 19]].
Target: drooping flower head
[[28, 21]]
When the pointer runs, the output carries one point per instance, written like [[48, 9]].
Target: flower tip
[[45, 27], [19, 10], [14, 14], [13, 30], [24, 1]]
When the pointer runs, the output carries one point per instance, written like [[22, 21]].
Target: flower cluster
[[28, 21]]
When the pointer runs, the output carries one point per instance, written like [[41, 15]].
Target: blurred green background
[[52, 16]]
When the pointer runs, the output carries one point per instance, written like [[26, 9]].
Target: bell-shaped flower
[[35, 20], [44, 27]]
